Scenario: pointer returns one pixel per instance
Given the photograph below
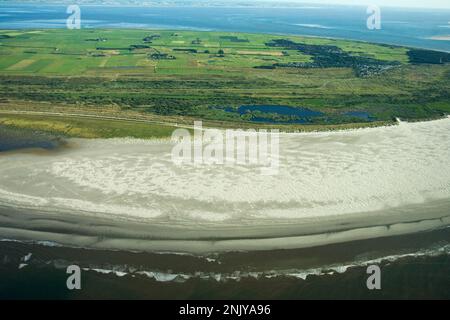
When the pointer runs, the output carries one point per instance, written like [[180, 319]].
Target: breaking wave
[[294, 273], [169, 276]]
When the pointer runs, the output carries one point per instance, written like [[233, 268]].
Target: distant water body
[[425, 28]]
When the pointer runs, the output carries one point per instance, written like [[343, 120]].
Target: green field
[[179, 75]]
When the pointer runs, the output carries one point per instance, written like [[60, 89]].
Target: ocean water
[[400, 26], [412, 267]]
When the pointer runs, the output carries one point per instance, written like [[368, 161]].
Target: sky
[[391, 3]]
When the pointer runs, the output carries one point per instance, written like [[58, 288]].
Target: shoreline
[[269, 33], [207, 124], [128, 194], [120, 234]]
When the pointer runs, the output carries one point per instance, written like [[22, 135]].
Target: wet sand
[[331, 188], [84, 231]]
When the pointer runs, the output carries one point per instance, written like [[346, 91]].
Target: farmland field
[[183, 75]]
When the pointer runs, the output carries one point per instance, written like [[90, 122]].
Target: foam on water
[[168, 276]]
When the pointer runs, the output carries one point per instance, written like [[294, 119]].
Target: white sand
[[322, 176]]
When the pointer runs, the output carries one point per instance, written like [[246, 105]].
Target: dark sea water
[[400, 26], [412, 267]]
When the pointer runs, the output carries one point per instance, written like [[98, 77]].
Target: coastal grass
[[82, 127], [91, 127]]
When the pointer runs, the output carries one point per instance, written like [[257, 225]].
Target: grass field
[[208, 75], [107, 52]]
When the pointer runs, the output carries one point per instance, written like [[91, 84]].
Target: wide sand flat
[[129, 194]]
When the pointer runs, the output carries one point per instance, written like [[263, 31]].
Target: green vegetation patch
[[327, 56], [428, 56], [199, 75], [87, 128]]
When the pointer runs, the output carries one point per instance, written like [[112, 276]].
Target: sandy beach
[[331, 187]]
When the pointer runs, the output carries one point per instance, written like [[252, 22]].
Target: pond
[[275, 113], [283, 110]]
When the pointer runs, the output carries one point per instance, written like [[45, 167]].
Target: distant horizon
[[413, 4], [431, 4]]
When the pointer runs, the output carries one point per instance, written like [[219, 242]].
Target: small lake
[[275, 113], [281, 110]]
